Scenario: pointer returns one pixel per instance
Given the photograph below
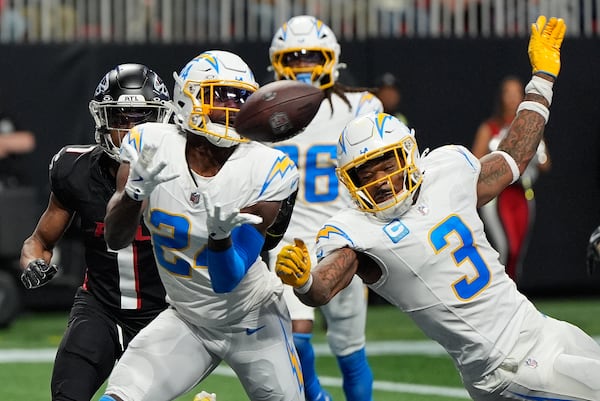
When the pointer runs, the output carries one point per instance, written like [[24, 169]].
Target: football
[[278, 110]]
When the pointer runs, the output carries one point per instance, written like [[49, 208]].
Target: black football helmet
[[127, 95]]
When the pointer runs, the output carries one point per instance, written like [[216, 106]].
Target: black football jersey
[[127, 279]]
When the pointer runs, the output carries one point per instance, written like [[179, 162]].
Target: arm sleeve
[[276, 231], [227, 268]]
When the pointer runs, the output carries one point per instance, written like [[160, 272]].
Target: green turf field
[[415, 372]]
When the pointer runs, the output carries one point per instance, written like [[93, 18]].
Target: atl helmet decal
[[160, 87], [103, 86]]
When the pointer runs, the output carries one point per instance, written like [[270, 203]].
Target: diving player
[[417, 240]]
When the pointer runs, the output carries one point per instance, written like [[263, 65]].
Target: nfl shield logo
[[280, 123], [195, 197]]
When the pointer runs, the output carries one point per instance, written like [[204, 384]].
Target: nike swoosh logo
[[252, 331], [138, 179]]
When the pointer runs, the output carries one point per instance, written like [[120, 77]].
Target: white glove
[[142, 178], [220, 224]]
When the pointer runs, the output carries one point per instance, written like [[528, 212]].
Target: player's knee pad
[[357, 376], [584, 370]]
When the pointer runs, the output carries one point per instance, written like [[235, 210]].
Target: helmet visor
[[127, 117], [225, 94], [303, 57]]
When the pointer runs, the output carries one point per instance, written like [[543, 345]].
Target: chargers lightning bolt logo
[[328, 230], [134, 138], [282, 165]]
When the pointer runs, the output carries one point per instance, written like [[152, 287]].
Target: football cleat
[[205, 396]]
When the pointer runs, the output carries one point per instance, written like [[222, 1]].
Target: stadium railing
[[203, 21]]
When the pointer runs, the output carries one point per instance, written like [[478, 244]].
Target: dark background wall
[[448, 88]]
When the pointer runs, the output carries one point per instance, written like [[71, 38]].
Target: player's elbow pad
[[227, 268]]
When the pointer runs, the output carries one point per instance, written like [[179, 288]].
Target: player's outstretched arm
[[136, 179], [505, 165], [315, 288]]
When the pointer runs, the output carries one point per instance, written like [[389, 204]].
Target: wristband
[[540, 86], [304, 288], [511, 163], [535, 106]]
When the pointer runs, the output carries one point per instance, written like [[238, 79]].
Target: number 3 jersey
[[126, 281], [176, 217], [437, 265]]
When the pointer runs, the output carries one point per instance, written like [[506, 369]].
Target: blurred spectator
[[14, 143], [509, 218], [388, 91], [593, 252], [12, 23]]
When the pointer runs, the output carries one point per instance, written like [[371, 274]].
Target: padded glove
[[142, 178], [37, 273], [220, 223], [544, 45], [293, 264]]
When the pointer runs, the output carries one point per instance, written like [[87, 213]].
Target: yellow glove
[[293, 264], [205, 396], [544, 45]]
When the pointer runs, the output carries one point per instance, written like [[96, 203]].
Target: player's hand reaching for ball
[[220, 223], [544, 45], [143, 177], [293, 265]]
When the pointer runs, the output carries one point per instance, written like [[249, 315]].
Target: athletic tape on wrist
[[540, 86], [511, 163], [535, 106], [303, 289]]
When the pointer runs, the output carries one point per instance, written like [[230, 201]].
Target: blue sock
[[357, 376], [306, 353], [106, 397]]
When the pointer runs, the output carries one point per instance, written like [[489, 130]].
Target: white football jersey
[[320, 194], [176, 217], [437, 265]]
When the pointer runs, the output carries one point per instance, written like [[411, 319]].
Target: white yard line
[[392, 387], [373, 348]]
